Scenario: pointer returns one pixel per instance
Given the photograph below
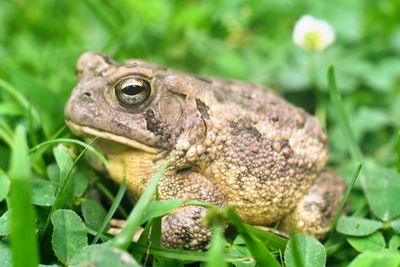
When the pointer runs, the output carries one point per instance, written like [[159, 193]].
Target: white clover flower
[[313, 34]]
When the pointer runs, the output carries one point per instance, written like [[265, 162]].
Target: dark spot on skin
[[248, 95], [245, 127], [219, 96], [186, 236], [275, 117], [196, 215], [159, 127], [328, 200], [122, 126], [255, 132], [300, 121], [106, 59], [180, 95], [153, 122], [184, 170], [203, 79], [273, 102], [203, 109]]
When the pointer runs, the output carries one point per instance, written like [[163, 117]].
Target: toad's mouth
[[80, 129]]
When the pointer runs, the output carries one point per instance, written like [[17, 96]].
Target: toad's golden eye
[[132, 91]]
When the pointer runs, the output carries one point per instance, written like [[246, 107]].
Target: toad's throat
[[80, 129]]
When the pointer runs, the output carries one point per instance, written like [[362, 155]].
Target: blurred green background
[[250, 40], [41, 40]]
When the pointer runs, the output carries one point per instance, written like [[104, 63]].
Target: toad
[[226, 141]]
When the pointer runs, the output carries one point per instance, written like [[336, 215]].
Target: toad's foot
[[183, 228], [315, 212], [116, 228]]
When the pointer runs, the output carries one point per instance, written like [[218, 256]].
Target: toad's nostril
[[88, 94]]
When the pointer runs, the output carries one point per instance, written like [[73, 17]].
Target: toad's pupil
[[132, 90]]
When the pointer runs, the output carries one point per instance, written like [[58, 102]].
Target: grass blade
[[123, 239], [344, 199], [354, 149], [111, 211], [20, 98], [257, 248], [271, 240], [216, 255], [107, 193], [22, 232], [176, 254], [74, 141], [160, 208], [6, 133], [398, 151], [4, 185]]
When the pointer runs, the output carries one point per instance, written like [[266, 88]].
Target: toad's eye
[[132, 91]]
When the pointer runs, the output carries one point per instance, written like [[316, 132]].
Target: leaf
[[5, 256], [303, 250], [257, 248], [43, 192], [216, 255], [242, 252], [155, 235], [4, 185], [65, 192], [22, 215], [382, 192], [85, 253], [178, 254], [375, 241], [160, 208], [103, 256], [81, 183], [167, 263], [385, 258], [64, 195], [271, 240], [93, 213], [355, 226], [395, 225], [368, 120], [64, 162], [53, 171], [394, 243], [69, 235], [5, 223], [123, 239]]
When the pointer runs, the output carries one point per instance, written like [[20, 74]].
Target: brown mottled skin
[[226, 141]]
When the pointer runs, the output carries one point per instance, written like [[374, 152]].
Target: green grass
[[44, 181]]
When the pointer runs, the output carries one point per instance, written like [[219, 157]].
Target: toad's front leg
[[184, 227]]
